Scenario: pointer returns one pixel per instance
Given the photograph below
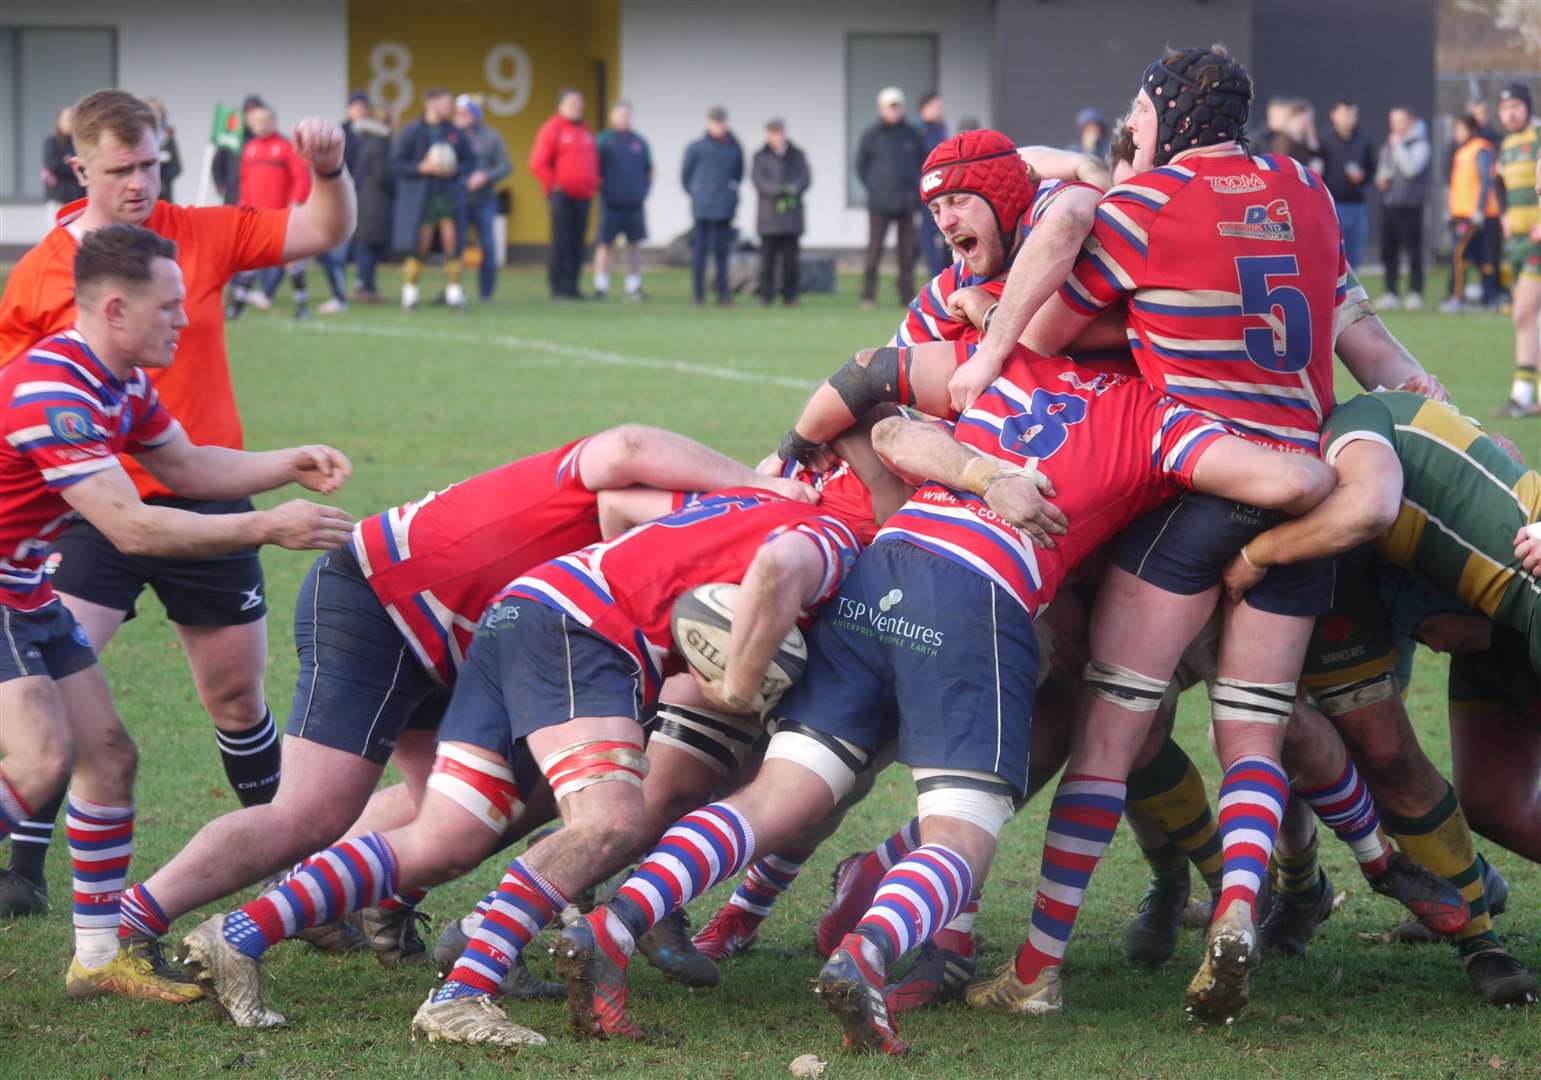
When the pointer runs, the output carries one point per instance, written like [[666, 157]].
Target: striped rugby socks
[[523, 905], [101, 841], [925, 891], [1345, 807], [1252, 798]]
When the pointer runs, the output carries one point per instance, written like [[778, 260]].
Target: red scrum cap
[[983, 163]]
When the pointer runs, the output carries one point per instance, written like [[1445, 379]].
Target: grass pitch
[[420, 401]]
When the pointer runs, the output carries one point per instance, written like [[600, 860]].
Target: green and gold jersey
[[1517, 169], [1463, 500]]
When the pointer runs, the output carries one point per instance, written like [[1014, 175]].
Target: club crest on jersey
[[931, 181], [1236, 185], [1271, 222], [71, 424]]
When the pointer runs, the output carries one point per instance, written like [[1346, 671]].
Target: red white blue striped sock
[[1345, 807], [897, 846], [524, 903], [101, 842], [1082, 820], [406, 900], [13, 808], [138, 913], [1252, 798], [765, 881], [344, 878], [924, 891], [702, 848]]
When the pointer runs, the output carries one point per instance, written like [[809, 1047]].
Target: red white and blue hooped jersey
[[1234, 273], [437, 562], [624, 589], [66, 417], [928, 319], [1112, 446]]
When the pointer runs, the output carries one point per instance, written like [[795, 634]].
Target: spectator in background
[[1091, 134], [376, 198], [334, 263], [1347, 164], [780, 175], [968, 123], [933, 131], [713, 168], [566, 162], [171, 158], [888, 161], [1402, 177], [625, 178], [273, 177], [225, 169], [1477, 110], [60, 184], [1295, 136], [431, 159], [1473, 206], [491, 167]]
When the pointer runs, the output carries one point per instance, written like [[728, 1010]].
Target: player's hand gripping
[[1240, 576], [1020, 496], [319, 142], [319, 468], [969, 305], [300, 525], [973, 378], [1427, 385], [719, 697], [788, 488], [1527, 547]]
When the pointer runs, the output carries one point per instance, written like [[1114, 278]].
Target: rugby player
[[564, 666], [215, 605], [382, 628], [970, 582], [1518, 158], [71, 405], [1444, 501]]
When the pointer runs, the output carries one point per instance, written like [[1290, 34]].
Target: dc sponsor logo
[[1236, 185], [889, 601], [1270, 222], [71, 423], [251, 598], [931, 181]]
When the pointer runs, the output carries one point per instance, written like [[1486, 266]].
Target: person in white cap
[[888, 161]]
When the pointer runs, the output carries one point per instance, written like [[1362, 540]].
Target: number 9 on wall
[[507, 71]]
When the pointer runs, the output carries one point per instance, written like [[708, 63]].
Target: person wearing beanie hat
[[491, 165], [888, 161], [1522, 244]]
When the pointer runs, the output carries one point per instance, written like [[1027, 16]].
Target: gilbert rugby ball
[[702, 623], [442, 156]]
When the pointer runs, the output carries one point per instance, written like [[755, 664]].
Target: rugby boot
[[938, 974], [138, 971], [1291, 921], [391, 934], [1151, 937], [1435, 902], [1219, 990], [668, 948], [594, 968], [473, 1020], [730, 933], [854, 884], [851, 987], [1006, 991], [1499, 977], [231, 979], [21, 896], [338, 936]]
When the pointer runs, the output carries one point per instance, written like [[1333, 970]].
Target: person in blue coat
[[713, 169], [431, 196], [625, 177]]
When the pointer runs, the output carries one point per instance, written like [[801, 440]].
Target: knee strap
[[721, 741], [1124, 687], [832, 759], [1257, 703], [979, 798], [884, 377], [1338, 701], [483, 788], [594, 761]]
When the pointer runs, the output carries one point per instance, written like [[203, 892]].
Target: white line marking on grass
[[574, 352]]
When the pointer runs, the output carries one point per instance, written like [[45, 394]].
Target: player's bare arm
[[109, 501], [1045, 260], [328, 216], [784, 578], [635, 455], [1052, 163], [1247, 472], [218, 472], [1364, 504], [916, 449], [1377, 359]]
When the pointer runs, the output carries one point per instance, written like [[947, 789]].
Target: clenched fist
[[319, 142]]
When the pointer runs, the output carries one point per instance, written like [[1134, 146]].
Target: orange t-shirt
[[213, 243]]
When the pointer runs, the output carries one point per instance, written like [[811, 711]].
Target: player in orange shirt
[[215, 604]]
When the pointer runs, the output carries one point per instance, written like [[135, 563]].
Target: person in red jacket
[[566, 162], [273, 177]]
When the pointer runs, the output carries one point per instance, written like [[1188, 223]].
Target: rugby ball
[[441, 157], [702, 624]]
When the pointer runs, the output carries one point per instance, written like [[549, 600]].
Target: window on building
[[873, 61], [43, 69]]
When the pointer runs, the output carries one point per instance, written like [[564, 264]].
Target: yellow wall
[[519, 54]]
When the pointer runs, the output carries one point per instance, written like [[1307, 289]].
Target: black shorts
[[360, 682], [222, 590], [1502, 676], [625, 221], [47, 641], [1182, 548], [530, 667]]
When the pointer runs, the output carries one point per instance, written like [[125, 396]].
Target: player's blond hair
[[117, 111]]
